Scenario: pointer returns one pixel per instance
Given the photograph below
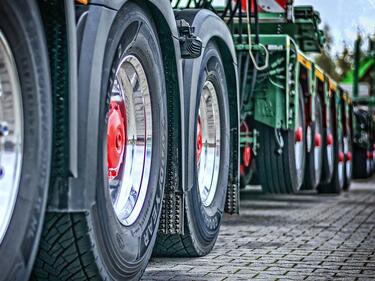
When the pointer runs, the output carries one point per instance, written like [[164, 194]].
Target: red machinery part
[[267, 6], [116, 138], [370, 155], [341, 156], [246, 150], [318, 140], [329, 139], [348, 156], [246, 156], [299, 134], [199, 139]]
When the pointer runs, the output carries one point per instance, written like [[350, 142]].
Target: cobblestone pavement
[[300, 237]]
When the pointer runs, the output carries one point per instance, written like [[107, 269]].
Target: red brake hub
[[199, 139], [348, 156], [341, 156], [116, 137], [329, 139], [246, 156], [318, 140], [299, 134], [370, 155]]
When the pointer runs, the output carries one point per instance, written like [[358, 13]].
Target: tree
[[325, 59], [344, 61]]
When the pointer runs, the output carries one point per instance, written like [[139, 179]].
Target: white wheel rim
[[348, 166], [330, 149], [11, 134], [129, 184], [318, 152], [299, 151], [208, 158], [341, 166]]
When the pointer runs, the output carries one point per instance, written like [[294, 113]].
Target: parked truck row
[[128, 128]]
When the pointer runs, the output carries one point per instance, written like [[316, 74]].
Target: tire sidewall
[[20, 23], [125, 250], [205, 220], [290, 138], [327, 172]]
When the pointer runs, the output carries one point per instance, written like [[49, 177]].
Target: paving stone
[[290, 237]]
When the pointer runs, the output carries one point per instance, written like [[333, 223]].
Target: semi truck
[[128, 127]]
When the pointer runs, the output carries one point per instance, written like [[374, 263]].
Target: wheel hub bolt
[[4, 129]]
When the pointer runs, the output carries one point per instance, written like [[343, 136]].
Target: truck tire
[[204, 205], [114, 239], [348, 167], [25, 136], [328, 148], [336, 185], [281, 167], [314, 157], [361, 163]]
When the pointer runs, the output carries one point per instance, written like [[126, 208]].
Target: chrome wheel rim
[[330, 149], [208, 144], [299, 149], [129, 140], [11, 134], [348, 165], [317, 150], [341, 166]]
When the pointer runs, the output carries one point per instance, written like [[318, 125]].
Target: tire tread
[[65, 251]]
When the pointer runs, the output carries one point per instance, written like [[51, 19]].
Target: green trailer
[[294, 131]]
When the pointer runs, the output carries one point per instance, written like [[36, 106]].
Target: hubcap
[[129, 140], [11, 134], [116, 136], [199, 138], [246, 149], [208, 143]]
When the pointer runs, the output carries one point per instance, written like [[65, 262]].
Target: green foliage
[[325, 60]]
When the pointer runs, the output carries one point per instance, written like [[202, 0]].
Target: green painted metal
[[271, 96], [363, 68], [304, 29], [275, 94]]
